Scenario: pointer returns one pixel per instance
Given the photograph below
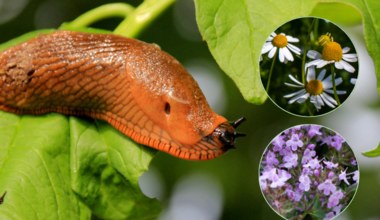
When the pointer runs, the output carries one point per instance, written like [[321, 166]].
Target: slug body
[[137, 88]]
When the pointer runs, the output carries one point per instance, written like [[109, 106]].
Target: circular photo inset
[[308, 66], [308, 172]]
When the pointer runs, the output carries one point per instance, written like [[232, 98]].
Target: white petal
[[322, 74], [292, 39], [350, 57], [323, 63], [272, 52], [302, 91], [299, 98], [303, 98], [287, 54], [295, 80], [327, 83], [345, 49], [295, 49], [347, 66], [353, 81], [281, 55], [339, 65], [267, 47], [312, 63], [293, 85], [310, 75], [313, 54], [338, 81], [328, 100], [317, 102]]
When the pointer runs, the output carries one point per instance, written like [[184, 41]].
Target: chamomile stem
[[144, 14], [303, 67], [333, 83], [101, 12], [270, 72]]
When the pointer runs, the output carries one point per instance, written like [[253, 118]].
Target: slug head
[[173, 101], [225, 134]]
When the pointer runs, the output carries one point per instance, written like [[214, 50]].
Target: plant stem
[[333, 83], [303, 67], [101, 12], [141, 17], [270, 71]]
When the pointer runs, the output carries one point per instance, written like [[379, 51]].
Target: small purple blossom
[[334, 199], [314, 130], [278, 143], [277, 177], [354, 162], [304, 183], [294, 142], [331, 175], [334, 141], [329, 215], [356, 176], [330, 165], [343, 176], [308, 155], [327, 187], [291, 160], [270, 158], [311, 146], [313, 164]]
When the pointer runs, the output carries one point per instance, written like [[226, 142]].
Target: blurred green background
[[227, 187]]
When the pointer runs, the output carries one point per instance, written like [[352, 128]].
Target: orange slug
[[136, 87]]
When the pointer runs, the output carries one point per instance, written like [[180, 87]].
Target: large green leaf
[[105, 167], [371, 21], [35, 169], [45, 159], [235, 31]]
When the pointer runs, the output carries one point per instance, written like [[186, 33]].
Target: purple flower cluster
[[308, 170]]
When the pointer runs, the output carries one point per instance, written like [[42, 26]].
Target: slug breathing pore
[[136, 87]]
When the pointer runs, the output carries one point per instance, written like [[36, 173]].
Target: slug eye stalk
[[226, 134]]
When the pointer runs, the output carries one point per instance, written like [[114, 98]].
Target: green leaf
[[58, 167], [373, 153], [106, 166], [340, 13], [235, 32], [35, 169], [371, 19]]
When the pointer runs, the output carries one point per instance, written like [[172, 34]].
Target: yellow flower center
[[280, 41], [314, 87], [332, 51], [325, 38]]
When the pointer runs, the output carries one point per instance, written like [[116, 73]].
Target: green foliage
[[373, 153], [235, 31], [57, 167]]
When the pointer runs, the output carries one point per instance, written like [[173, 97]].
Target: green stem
[[303, 66], [141, 17], [333, 82], [101, 12], [270, 72]]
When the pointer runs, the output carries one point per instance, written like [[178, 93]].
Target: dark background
[[226, 187]]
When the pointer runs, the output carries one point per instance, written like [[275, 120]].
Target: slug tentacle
[[140, 90]]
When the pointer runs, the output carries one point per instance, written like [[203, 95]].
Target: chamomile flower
[[282, 43], [316, 88], [332, 52]]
